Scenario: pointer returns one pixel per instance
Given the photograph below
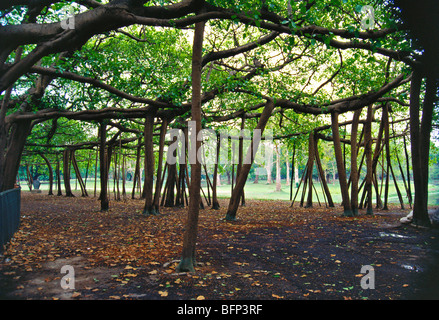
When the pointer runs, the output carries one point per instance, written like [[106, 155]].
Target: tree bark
[[49, 166], [340, 166], [420, 144], [149, 165], [136, 176], [387, 147], [103, 166], [215, 203], [323, 176], [158, 182], [78, 174], [354, 168], [66, 171], [58, 176], [236, 194], [14, 149], [241, 156], [407, 161], [292, 171], [310, 166], [368, 151], [188, 260]]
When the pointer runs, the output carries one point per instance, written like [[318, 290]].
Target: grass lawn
[[264, 191]]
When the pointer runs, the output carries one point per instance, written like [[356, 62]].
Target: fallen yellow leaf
[[163, 293]]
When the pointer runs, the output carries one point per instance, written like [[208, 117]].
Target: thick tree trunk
[[340, 166], [188, 261], [420, 144], [14, 149], [237, 191]]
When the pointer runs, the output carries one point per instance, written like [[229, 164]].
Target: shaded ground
[[273, 252]]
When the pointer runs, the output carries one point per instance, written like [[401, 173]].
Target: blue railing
[[10, 203]]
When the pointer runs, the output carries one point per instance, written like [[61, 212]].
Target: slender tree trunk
[[398, 192], [298, 187], [354, 168], [215, 203], [409, 187], [29, 179], [256, 181], [96, 171], [340, 166], [323, 176], [149, 165], [368, 151], [117, 161], [234, 199], [86, 170], [78, 174], [182, 170], [310, 166], [278, 177], [136, 176], [158, 182], [58, 176], [103, 164], [387, 146], [292, 171], [188, 260], [66, 161], [241, 156], [124, 191], [49, 166]]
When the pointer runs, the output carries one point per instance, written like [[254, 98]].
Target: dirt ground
[[273, 252]]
